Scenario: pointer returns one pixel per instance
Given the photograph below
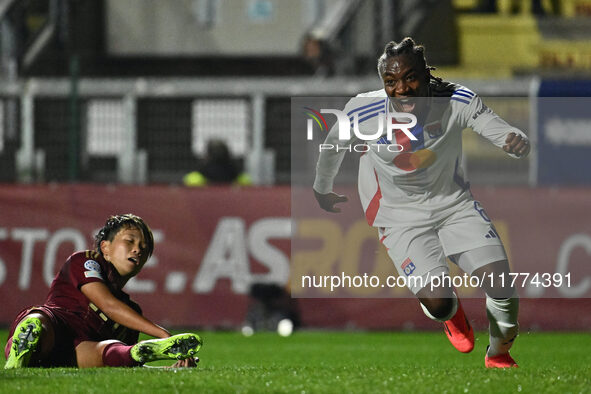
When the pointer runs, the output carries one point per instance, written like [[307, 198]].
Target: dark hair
[[116, 223], [405, 47], [218, 151]]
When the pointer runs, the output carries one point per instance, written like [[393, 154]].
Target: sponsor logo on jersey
[[434, 129], [408, 267], [482, 110]]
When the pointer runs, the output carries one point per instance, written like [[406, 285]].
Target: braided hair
[[405, 47], [115, 223]]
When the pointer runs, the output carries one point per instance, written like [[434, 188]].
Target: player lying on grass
[[419, 199], [87, 319]]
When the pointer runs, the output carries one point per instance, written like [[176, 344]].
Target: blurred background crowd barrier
[[102, 98], [131, 91]]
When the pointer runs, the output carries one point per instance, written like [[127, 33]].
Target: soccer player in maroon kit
[[87, 319]]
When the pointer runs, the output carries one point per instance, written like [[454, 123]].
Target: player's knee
[[100, 347], [438, 303], [91, 354], [440, 308]]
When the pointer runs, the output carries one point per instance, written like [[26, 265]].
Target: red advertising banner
[[213, 243], [546, 233]]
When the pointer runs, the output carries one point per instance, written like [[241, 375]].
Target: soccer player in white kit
[[417, 196]]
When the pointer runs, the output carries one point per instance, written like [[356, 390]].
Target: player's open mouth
[[133, 260], [406, 104]]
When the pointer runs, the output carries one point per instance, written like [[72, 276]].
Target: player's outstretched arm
[[99, 294], [328, 200], [517, 145]]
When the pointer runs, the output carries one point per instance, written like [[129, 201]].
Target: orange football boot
[[499, 361], [459, 331]]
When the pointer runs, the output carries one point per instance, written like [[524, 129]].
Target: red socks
[[118, 354]]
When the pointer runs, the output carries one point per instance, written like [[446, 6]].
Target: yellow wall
[[492, 41]]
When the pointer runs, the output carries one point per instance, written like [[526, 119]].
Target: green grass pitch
[[335, 362]]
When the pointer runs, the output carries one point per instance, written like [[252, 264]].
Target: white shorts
[[419, 248]]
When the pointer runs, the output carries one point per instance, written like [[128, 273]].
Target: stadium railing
[[153, 130]]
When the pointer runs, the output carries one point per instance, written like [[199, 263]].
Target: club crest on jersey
[[93, 269], [408, 267], [434, 129]]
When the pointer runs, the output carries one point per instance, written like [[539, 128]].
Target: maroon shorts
[[70, 329], [64, 325]]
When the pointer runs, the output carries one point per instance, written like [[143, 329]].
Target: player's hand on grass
[[327, 201], [516, 145], [186, 363]]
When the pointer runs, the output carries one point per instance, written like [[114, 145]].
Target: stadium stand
[[50, 128]]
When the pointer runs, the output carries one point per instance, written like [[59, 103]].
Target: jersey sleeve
[[84, 268], [329, 160], [483, 120]]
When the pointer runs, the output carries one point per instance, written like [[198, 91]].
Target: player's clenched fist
[[517, 145]]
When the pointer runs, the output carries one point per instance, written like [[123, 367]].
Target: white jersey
[[427, 174]]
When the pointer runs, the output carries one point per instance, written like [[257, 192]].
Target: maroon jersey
[[74, 317], [82, 268]]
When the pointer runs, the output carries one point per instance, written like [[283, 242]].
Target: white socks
[[503, 326], [502, 317]]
